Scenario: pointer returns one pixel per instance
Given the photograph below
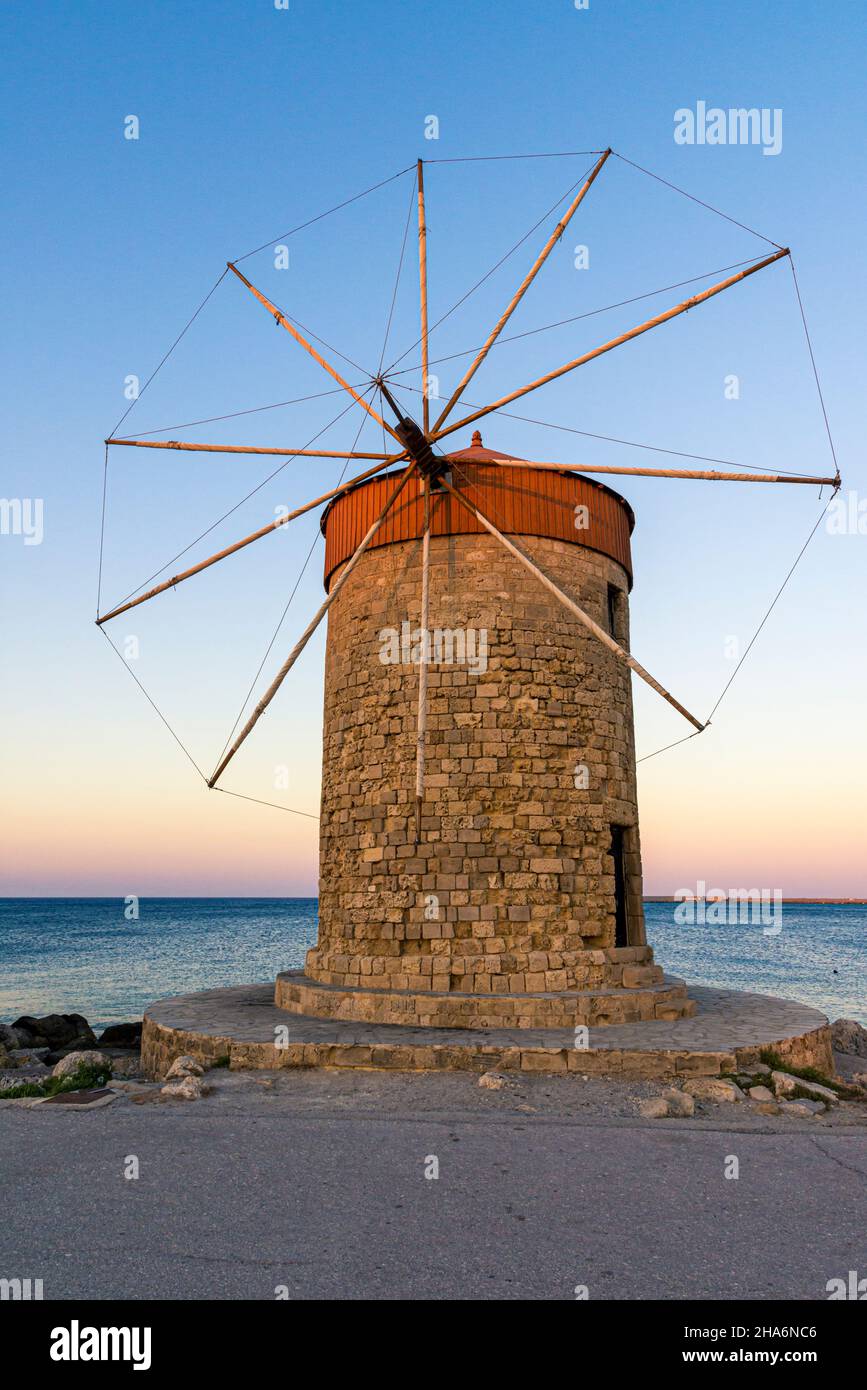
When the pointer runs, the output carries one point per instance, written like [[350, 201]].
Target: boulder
[[6, 1060], [492, 1081], [783, 1084], [121, 1035], [802, 1109], [184, 1066], [8, 1036], [53, 1030], [713, 1088], [73, 1060], [184, 1088], [679, 1102], [849, 1036], [654, 1109], [817, 1092], [760, 1093], [85, 1042]]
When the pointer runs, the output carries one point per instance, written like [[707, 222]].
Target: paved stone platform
[[243, 1026]]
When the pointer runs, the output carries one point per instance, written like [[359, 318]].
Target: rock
[[185, 1088], [130, 1065], [184, 1066], [73, 1060], [765, 1107], [746, 1076], [6, 1058], [492, 1081], [678, 1102], [787, 1085], [849, 1036], [760, 1093], [54, 1030], [9, 1036], [713, 1088], [654, 1109], [817, 1092], [783, 1083], [802, 1109], [121, 1035], [85, 1042]]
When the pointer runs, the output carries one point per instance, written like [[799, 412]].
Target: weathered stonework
[[509, 892], [562, 1009], [727, 1032]]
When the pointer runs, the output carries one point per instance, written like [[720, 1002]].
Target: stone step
[[667, 1000]]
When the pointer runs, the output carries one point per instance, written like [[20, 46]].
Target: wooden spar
[[613, 343], [284, 323], [421, 722], [311, 627], [668, 473], [246, 449], [422, 275], [239, 545], [573, 608], [522, 290]]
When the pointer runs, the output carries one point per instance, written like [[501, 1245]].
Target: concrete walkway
[[315, 1182]]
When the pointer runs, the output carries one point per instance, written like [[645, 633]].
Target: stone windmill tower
[[517, 899], [479, 848]]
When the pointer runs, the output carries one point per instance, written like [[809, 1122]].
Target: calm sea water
[[81, 955]]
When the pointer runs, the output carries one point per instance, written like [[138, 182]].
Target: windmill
[[443, 900]]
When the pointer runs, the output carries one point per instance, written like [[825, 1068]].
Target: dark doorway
[[621, 914], [612, 609]]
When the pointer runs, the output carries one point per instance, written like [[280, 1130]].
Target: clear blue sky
[[253, 119]]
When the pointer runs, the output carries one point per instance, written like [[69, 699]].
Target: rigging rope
[[485, 158], [288, 604], [815, 368], [252, 493], [345, 204], [187, 754], [165, 359], [396, 284], [493, 268], [650, 174], [252, 410], [590, 313], [612, 439]]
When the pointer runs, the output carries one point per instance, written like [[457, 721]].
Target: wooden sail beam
[[311, 627], [605, 638], [613, 343], [239, 545], [521, 290], [422, 277], [247, 449], [707, 476], [308, 347], [421, 719]]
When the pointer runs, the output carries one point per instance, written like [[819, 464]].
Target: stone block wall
[[530, 761]]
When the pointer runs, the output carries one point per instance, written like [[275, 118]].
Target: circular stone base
[[727, 1033], [667, 1000]]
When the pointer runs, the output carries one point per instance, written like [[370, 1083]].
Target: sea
[[93, 956]]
